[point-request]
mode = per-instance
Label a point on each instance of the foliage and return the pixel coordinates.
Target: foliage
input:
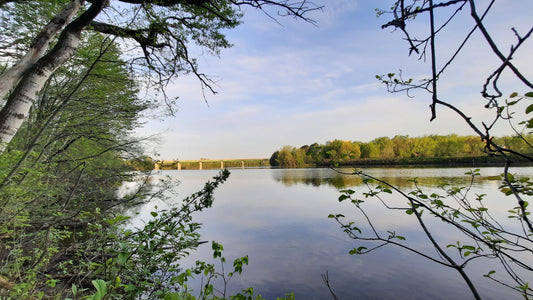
(399, 147)
(145, 263)
(61, 172)
(143, 163)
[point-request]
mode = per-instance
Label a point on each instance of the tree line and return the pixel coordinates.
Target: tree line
(385, 148)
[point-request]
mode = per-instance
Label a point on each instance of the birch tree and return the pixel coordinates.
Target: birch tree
(161, 32)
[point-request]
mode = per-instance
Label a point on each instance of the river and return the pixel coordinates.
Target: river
(278, 217)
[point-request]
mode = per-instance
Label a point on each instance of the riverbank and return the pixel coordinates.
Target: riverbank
(474, 161)
(471, 161)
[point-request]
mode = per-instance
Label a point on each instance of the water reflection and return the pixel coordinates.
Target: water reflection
(402, 178)
(316, 177)
(279, 218)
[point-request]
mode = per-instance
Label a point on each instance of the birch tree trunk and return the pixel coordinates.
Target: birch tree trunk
(12, 76)
(26, 91)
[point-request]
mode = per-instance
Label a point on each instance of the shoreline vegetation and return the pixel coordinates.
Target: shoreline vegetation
(434, 150)
(430, 150)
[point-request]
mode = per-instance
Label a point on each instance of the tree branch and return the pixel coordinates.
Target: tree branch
(494, 47)
(145, 37)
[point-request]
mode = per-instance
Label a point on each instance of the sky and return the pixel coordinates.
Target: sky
(289, 82)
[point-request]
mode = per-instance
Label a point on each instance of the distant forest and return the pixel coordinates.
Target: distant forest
(387, 149)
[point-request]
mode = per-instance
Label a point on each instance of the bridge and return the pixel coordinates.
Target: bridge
(205, 164)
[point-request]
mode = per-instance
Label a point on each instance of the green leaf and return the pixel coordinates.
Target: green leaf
(130, 288)
(153, 213)
(524, 287)
(357, 250)
(529, 109)
(343, 197)
(123, 257)
(409, 211)
(347, 191)
(101, 288)
(490, 273)
(513, 95)
(506, 191)
(529, 94)
(173, 296)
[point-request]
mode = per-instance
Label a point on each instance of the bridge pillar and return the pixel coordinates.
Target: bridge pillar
(179, 166)
(200, 163)
(242, 164)
(221, 165)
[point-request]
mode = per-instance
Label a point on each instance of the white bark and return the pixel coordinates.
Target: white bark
(33, 80)
(40, 45)
(22, 98)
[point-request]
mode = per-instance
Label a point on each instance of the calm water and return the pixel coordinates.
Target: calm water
(278, 217)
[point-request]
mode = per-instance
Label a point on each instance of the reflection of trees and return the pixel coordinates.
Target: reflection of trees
(337, 181)
(341, 181)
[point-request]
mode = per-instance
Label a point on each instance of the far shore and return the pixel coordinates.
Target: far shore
(209, 164)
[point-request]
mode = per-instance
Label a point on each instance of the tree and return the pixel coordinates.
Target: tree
(402, 146)
(285, 158)
(369, 150)
(424, 146)
(482, 237)
(161, 30)
(385, 146)
(64, 166)
(345, 150)
(299, 156)
(315, 152)
(274, 159)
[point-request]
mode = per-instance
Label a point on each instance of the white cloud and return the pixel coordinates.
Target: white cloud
(257, 131)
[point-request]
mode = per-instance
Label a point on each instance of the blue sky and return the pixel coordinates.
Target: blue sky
(296, 84)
